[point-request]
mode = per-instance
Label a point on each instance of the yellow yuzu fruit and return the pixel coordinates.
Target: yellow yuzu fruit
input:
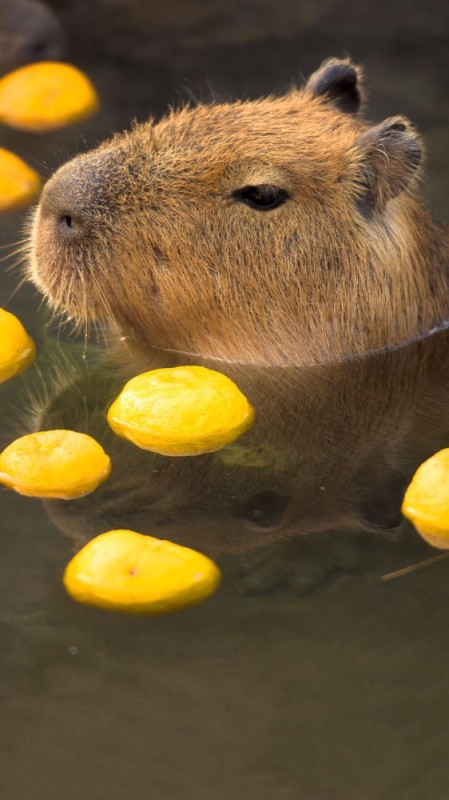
(426, 501)
(17, 349)
(181, 411)
(122, 570)
(19, 184)
(57, 464)
(45, 96)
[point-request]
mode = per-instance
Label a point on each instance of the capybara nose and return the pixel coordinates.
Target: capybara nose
(78, 198)
(65, 207)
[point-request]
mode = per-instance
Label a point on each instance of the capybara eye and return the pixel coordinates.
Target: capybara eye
(262, 198)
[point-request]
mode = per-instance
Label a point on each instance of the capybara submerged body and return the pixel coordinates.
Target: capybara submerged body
(280, 241)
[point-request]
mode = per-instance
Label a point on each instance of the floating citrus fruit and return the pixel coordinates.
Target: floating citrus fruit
(181, 411)
(126, 571)
(17, 349)
(59, 464)
(45, 96)
(426, 501)
(19, 184)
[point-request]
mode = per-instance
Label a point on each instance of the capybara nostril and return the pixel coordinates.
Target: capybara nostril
(63, 216)
(65, 207)
(70, 225)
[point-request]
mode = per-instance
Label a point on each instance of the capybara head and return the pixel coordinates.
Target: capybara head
(278, 231)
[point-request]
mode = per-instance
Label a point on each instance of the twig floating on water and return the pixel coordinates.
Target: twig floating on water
(414, 567)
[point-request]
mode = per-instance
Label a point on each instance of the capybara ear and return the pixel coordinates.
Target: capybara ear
(390, 154)
(339, 82)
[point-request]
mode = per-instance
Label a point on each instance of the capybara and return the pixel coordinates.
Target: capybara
(281, 241)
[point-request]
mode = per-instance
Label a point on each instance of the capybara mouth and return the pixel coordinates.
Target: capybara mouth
(61, 274)
(70, 244)
(79, 274)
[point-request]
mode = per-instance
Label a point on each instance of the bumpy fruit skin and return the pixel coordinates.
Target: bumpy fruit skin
(46, 96)
(181, 411)
(19, 184)
(426, 501)
(126, 571)
(17, 349)
(56, 464)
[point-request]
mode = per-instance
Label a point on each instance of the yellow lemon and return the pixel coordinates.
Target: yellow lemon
(58, 464)
(17, 349)
(126, 571)
(45, 96)
(426, 501)
(181, 411)
(19, 184)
